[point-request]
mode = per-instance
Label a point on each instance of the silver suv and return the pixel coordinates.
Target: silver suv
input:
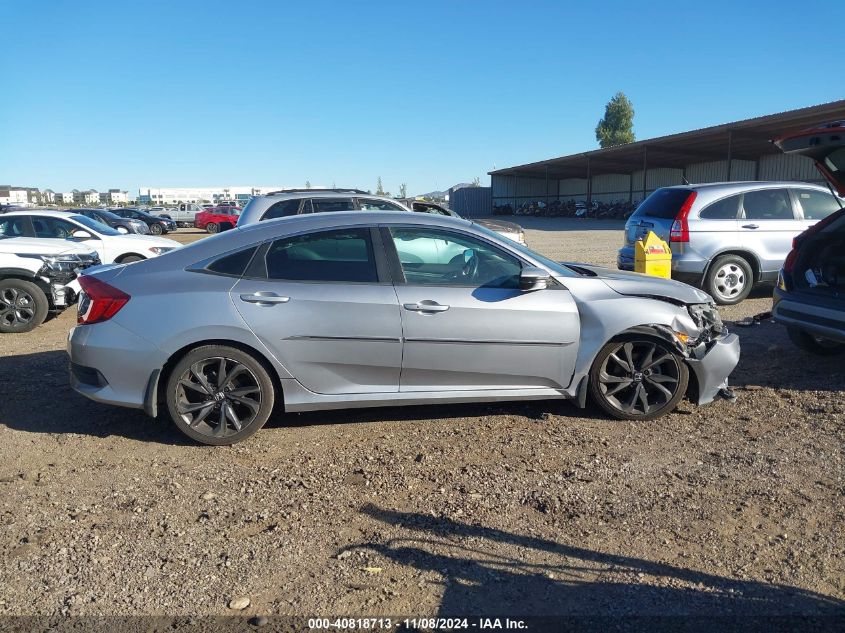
(281, 204)
(727, 236)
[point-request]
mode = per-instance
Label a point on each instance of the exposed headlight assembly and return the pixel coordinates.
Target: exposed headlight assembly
(160, 250)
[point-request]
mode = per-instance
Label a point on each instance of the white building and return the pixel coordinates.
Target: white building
(65, 198)
(13, 195)
(114, 197)
(89, 196)
(164, 196)
(48, 196)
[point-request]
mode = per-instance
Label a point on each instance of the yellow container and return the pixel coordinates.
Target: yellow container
(653, 256)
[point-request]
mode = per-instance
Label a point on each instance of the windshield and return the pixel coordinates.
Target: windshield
(555, 267)
(95, 226)
(109, 215)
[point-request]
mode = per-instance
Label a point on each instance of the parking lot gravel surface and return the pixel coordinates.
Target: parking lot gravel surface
(539, 508)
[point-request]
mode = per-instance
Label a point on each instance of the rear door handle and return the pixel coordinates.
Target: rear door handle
(751, 226)
(266, 298)
(425, 306)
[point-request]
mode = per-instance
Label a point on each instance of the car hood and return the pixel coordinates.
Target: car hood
(500, 226)
(639, 285)
(36, 246)
(151, 240)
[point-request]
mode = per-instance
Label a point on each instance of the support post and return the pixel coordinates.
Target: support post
(645, 168)
(547, 186)
(589, 184)
(730, 143)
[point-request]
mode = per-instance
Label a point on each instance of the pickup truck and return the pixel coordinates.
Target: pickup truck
(183, 214)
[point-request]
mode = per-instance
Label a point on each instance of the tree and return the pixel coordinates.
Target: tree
(617, 125)
(403, 190)
(379, 187)
(476, 182)
(307, 184)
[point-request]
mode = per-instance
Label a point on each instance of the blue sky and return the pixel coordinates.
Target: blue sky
(205, 93)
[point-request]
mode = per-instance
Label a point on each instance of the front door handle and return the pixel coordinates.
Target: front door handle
(425, 306)
(265, 298)
(751, 226)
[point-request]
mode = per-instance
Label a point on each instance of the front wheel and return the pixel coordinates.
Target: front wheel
(212, 227)
(814, 344)
(638, 378)
(23, 306)
(156, 229)
(219, 395)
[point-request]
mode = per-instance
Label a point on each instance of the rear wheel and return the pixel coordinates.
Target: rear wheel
(156, 229)
(638, 378)
(131, 258)
(212, 227)
(814, 344)
(23, 306)
(219, 395)
(729, 279)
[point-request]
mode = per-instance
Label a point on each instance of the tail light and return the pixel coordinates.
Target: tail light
(680, 227)
(100, 301)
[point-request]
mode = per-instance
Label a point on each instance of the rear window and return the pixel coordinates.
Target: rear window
(663, 203)
(817, 205)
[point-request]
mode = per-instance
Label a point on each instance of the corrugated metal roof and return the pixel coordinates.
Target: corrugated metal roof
(748, 140)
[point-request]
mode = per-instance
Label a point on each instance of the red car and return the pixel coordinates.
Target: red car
(217, 218)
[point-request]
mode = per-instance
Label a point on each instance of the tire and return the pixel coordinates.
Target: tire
(729, 279)
(814, 344)
(204, 412)
(23, 306)
(617, 386)
(131, 258)
(156, 229)
(212, 227)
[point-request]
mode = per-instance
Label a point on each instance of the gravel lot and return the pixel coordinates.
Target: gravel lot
(735, 508)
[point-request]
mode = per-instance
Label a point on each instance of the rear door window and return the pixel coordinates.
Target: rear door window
(768, 204)
(328, 205)
(816, 205)
(16, 226)
(664, 203)
(340, 255)
(724, 209)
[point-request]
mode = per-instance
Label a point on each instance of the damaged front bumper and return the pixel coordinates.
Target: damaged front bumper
(712, 363)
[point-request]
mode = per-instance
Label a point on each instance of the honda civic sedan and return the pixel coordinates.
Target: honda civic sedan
(339, 310)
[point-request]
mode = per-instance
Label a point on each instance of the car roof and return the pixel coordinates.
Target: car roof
(741, 185)
(45, 212)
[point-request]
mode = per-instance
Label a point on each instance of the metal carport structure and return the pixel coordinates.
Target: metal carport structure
(740, 150)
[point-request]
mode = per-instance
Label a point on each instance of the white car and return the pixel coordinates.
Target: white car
(34, 274)
(113, 247)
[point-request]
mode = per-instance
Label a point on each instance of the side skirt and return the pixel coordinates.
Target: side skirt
(298, 398)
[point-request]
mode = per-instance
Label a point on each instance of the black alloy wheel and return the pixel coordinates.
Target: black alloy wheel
(638, 378)
(219, 395)
(23, 306)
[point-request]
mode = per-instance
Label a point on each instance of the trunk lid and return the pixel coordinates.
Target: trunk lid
(825, 144)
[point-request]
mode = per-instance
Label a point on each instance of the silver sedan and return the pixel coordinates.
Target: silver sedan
(361, 309)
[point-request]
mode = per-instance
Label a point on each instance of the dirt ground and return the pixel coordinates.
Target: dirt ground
(507, 509)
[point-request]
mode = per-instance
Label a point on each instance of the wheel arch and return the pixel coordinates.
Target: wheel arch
(155, 390)
(662, 333)
(750, 257)
(123, 256)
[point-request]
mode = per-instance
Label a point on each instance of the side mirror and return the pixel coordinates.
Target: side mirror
(79, 234)
(532, 278)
